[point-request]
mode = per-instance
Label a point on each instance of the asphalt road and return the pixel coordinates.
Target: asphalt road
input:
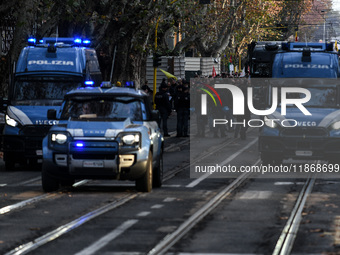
(185, 216)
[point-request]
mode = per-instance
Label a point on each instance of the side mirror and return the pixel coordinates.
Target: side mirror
(155, 115)
(51, 114)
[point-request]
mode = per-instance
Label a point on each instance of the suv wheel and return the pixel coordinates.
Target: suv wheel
(9, 162)
(158, 172)
(144, 184)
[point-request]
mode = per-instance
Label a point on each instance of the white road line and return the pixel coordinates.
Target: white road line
(102, 242)
(3, 184)
(169, 199)
(143, 214)
(255, 194)
(203, 177)
(40, 241)
(157, 206)
(28, 181)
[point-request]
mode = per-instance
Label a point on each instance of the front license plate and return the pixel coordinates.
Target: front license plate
(93, 164)
(304, 153)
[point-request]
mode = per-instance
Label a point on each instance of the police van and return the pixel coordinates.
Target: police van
(304, 91)
(44, 73)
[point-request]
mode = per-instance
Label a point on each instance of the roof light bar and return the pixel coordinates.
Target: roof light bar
(31, 41)
(77, 41)
(86, 41)
(89, 83)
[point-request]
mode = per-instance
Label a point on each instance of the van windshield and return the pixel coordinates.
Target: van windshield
(321, 97)
(43, 90)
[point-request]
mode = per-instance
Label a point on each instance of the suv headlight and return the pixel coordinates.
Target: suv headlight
(270, 122)
(11, 122)
(130, 139)
(59, 138)
(336, 125)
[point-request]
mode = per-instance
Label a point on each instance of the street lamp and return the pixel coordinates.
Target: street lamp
(324, 25)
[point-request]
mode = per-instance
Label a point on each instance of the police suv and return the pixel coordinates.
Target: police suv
(103, 133)
(44, 73)
(305, 96)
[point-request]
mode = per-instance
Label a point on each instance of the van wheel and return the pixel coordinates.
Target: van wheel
(9, 165)
(270, 160)
(144, 184)
(158, 173)
(9, 162)
(49, 183)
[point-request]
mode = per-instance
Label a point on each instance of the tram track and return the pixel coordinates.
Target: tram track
(50, 236)
(171, 239)
(167, 176)
(287, 237)
(286, 241)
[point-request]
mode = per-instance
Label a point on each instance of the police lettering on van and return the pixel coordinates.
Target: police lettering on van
(48, 62)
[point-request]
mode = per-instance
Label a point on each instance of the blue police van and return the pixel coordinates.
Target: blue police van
(44, 73)
(304, 72)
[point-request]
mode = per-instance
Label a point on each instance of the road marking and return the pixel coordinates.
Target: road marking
(40, 241)
(256, 194)
(169, 199)
(289, 183)
(96, 246)
(193, 253)
(171, 185)
(223, 163)
(3, 184)
(28, 181)
(143, 214)
(156, 206)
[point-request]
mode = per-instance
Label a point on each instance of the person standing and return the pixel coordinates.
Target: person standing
(163, 106)
(182, 106)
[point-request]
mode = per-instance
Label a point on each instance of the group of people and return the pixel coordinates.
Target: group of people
(173, 95)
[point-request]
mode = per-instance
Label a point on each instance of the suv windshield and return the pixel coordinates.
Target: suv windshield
(117, 108)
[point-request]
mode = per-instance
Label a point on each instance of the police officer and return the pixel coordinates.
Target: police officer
(182, 106)
(163, 106)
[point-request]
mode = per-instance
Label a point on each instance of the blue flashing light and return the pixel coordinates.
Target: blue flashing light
(41, 41)
(86, 42)
(89, 83)
(77, 41)
(80, 145)
(129, 84)
(31, 41)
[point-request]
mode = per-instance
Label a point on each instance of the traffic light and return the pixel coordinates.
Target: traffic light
(156, 60)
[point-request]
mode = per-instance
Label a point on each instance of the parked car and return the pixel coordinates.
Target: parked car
(103, 133)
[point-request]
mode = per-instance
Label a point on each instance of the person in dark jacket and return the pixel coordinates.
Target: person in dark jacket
(163, 106)
(182, 106)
